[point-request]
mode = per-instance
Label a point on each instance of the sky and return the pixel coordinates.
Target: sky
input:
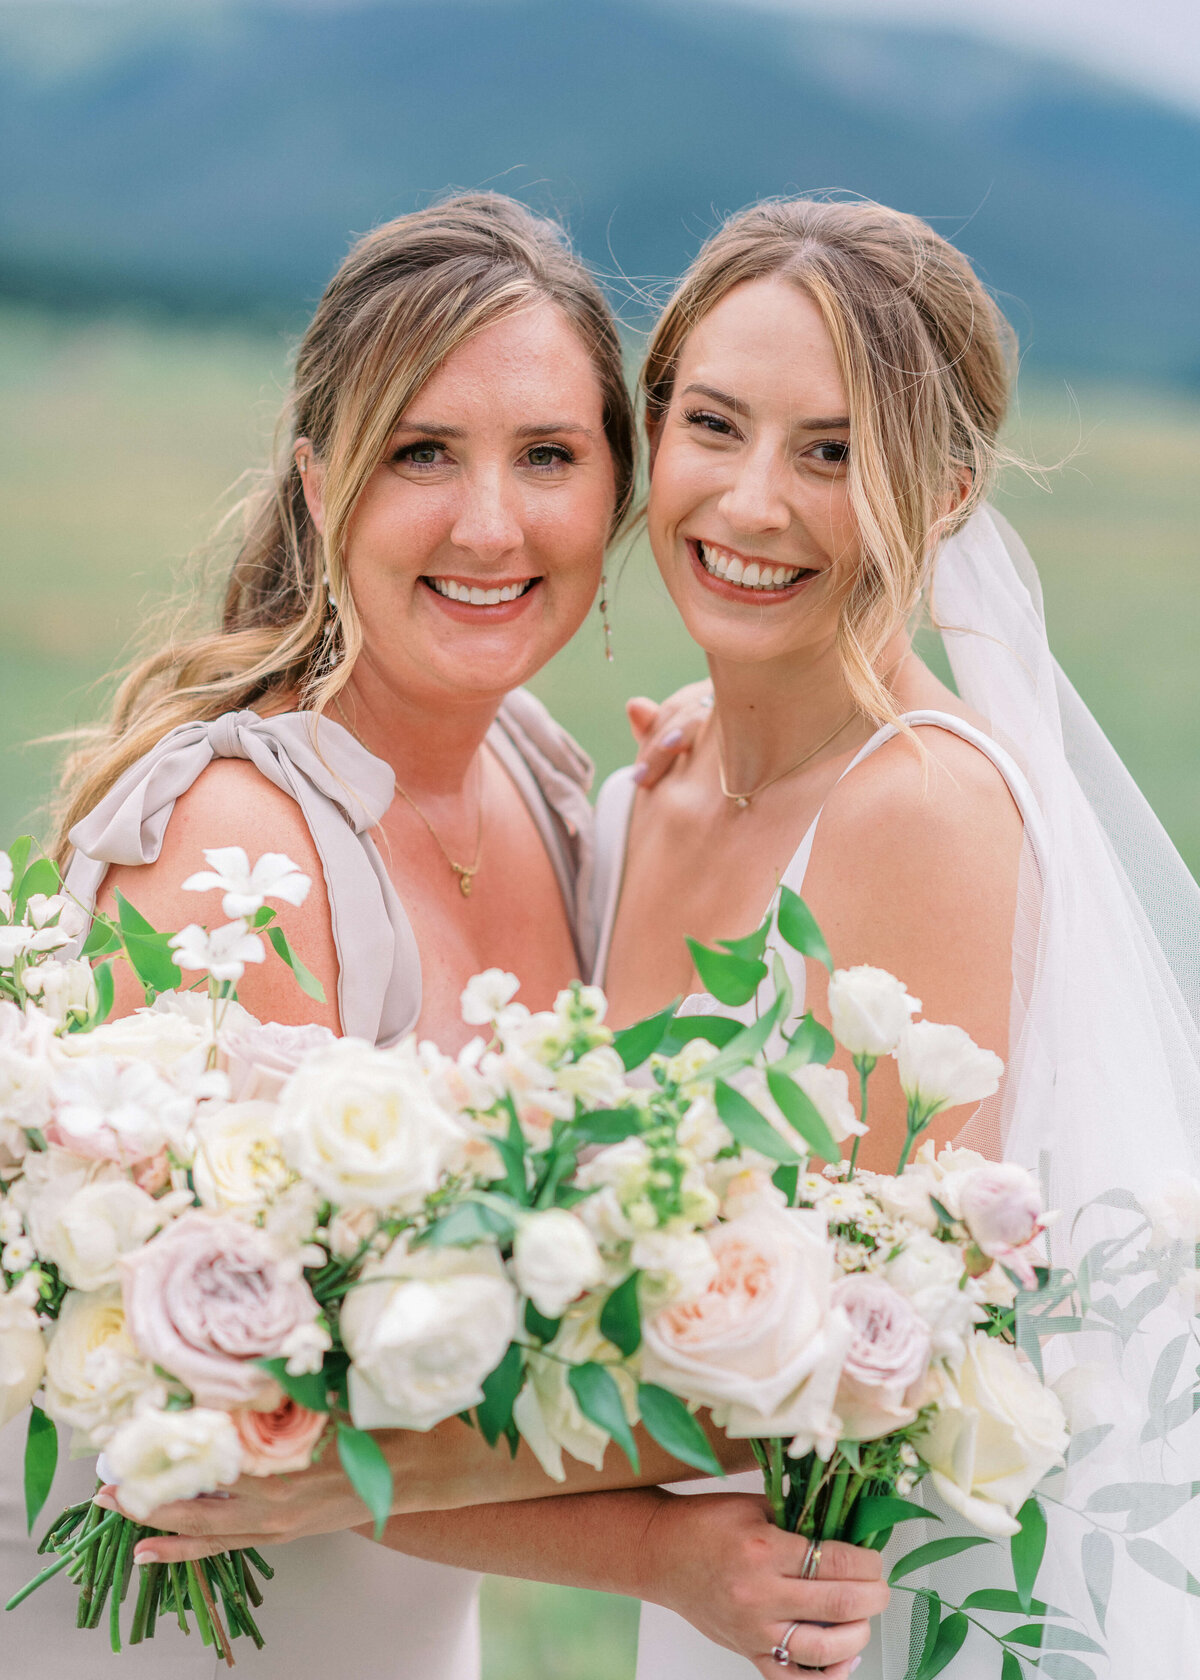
(1153, 43)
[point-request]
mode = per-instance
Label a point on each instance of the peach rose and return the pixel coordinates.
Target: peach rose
(275, 1442)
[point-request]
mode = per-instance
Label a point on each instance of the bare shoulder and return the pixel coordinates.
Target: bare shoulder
(232, 804)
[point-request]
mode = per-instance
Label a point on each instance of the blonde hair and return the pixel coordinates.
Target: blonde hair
(407, 296)
(927, 360)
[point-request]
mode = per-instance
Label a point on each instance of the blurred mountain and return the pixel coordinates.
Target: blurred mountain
(215, 156)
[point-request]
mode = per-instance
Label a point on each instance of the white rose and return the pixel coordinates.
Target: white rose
(167, 1041)
(1174, 1212)
(942, 1066)
(157, 1457)
(547, 1413)
(869, 1009)
(597, 1079)
(763, 1343)
(555, 1259)
(22, 1354)
(239, 1164)
(929, 1275)
(423, 1330)
(95, 1377)
(63, 988)
(487, 995)
(993, 1437)
(86, 1230)
(363, 1126)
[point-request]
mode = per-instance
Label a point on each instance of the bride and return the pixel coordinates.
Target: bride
(823, 398)
(460, 448)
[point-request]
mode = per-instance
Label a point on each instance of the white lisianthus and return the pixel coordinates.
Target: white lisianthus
(764, 1343)
(157, 1457)
(224, 952)
(18, 940)
(63, 988)
(239, 1165)
(828, 1089)
(246, 890)
(597, 1079)
(1174, 1212)
(95, 1377)
(546, 1410)
(423, 1329)
(22, 1351)
(86, 1230)
(363, 1126)
(929, 1274)
(869, 1009)
(942, 1067)
(196, 1008)
(993, 1437)
(486, 996)
(555, 1259)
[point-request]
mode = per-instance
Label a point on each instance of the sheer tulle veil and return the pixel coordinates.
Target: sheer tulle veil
(1102, 1095)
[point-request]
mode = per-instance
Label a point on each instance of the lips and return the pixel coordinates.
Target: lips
(740, 573)
(479, 595)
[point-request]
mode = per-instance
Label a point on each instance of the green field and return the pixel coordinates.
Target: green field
(118, 445)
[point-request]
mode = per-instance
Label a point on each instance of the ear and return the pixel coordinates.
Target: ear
(312, 479)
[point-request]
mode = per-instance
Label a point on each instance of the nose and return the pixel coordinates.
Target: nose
(487, 522)
(756, 499)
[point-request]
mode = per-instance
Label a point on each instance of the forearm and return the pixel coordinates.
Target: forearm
(594, 1540)
(453, 1466)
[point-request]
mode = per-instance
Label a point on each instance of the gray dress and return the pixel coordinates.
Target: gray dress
(339, 1605)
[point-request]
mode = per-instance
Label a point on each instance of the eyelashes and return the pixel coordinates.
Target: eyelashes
(553, 455)
(829, 452)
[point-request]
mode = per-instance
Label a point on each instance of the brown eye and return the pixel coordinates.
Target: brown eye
(832, 453)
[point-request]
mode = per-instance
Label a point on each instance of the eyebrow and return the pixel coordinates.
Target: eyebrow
(432, 429)
(821, 423)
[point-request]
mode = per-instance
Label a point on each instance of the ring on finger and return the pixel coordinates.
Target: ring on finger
(783, 1656)
(812, 1563)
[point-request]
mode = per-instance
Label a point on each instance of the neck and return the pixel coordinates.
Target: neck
(769, 713)
(430, 743)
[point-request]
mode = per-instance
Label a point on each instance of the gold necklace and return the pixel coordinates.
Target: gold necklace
(741, 800)
(465, 872)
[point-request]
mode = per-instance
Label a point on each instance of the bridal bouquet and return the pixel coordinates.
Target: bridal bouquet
(228, 1247)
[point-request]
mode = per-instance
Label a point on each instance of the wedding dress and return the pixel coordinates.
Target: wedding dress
(1102, 1093)
(339, 1604)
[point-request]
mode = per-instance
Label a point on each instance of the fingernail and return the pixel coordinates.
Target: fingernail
(105, 1500)
(857, 1663)
(639, 773)
(673, 738)
(147, 1554)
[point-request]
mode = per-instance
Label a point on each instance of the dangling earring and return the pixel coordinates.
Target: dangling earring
(333, 654)
(608, 652)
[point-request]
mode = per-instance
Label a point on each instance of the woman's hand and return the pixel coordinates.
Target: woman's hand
(717, 1560)
(664, 732)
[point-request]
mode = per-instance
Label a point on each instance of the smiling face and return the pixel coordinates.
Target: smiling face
(749, 512)
(475, 548)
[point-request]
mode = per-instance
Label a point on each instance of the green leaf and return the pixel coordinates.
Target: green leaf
(1096, 1556)
(787, 1179)
(305, 978)
(636, 1044)
(368, 1472)
(500, 1390)
(934, 1551)
(621, 1316)
(102, 940)
(749, 1127)
(670, 1423)
(1047, 1637)
(1006, 1603)
(131, 919)
(949, 1642)
(717, 1029)
(307, 1389)
(599, 1399)
(752, 946)
(1156, 1560)
(731, 980)
(102, 977)
(798, 926)
(19, 855)
(605, 1125)
(41, 877)
(537, 1324)
(811, 1042)
(800, 1111)
(41, 1461)
(742, 1050)
(470, 1223)
(1010, 1667)
(923, 1633)
(1027, 1548)
(879, 1510)
(152, 962)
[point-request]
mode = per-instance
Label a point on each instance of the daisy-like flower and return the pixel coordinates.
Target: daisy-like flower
(246, 890)
(224, 952)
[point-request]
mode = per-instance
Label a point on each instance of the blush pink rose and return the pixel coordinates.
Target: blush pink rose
(885, 1370)
(208, 1297)
(260, 1056)
(274, 1443)
(1001, 1206)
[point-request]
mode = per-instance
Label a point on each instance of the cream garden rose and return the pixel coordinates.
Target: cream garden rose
(95, 1377)
(239, 1165)
(22, 1351)
(546, 1410)
(86, 1224)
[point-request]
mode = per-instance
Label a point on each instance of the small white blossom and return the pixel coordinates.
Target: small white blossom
(486, 996)
(305, 1348)
(247, 889)
(18, 1255)
(224, 952)
(64, 988)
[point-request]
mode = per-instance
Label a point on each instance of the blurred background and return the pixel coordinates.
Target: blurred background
(180, 178)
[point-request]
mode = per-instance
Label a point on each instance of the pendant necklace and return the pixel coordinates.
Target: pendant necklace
(742, 800)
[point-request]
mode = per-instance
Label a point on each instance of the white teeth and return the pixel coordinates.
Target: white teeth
(477, 597)
(750, 574)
